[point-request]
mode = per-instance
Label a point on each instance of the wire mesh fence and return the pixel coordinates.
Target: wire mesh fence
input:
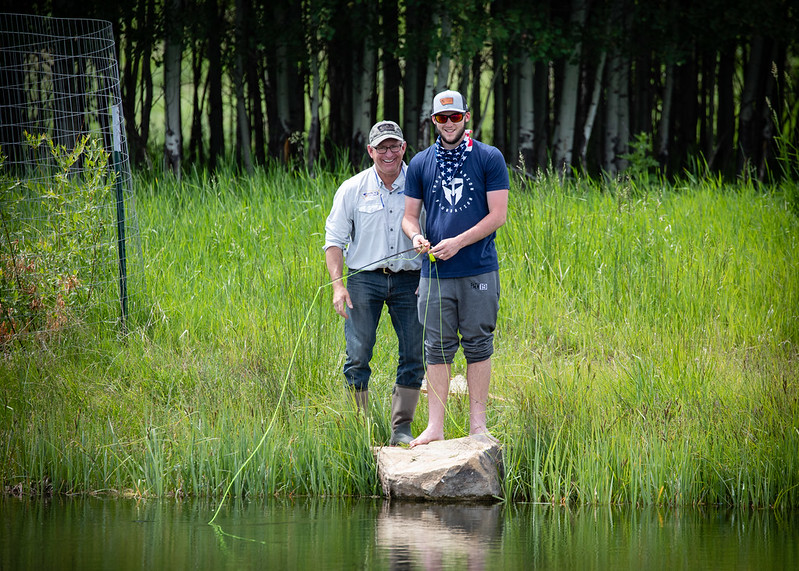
(67, 216)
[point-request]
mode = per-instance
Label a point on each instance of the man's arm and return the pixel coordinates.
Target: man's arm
(334, 259)
(410, 224)
(497, 214)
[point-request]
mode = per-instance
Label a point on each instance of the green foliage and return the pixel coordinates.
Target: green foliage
(641, 164)
(646, 353)
(53, 222)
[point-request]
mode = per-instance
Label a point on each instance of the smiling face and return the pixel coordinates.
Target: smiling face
(452, 133)
(389, 162)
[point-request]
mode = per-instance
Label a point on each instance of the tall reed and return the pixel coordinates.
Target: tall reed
(646, 353)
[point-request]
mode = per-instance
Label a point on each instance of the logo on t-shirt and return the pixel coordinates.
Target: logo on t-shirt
(453, 191)
(454, 199)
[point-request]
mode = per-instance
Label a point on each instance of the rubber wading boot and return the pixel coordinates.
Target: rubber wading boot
(362, 401)
(403, 405)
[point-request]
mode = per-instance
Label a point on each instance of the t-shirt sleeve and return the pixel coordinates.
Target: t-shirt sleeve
(496, 172)
(413, 178)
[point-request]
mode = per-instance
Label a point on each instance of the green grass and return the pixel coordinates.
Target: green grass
(646, 353)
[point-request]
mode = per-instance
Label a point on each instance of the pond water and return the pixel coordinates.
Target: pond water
(113, 533)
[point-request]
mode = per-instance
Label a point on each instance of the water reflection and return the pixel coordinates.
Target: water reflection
(105, 533)
(432, 536)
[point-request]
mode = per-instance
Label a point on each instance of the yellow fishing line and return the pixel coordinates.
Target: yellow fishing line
(283, 389)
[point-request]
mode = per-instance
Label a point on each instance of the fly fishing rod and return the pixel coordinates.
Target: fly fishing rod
(383, 259)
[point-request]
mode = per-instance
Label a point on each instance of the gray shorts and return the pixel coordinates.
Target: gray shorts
(459, 311)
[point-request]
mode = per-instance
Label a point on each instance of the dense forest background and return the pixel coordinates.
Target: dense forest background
(594, 85)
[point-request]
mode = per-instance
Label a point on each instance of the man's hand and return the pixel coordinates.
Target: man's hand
(341, 301)
(420, 243)
(446, 248)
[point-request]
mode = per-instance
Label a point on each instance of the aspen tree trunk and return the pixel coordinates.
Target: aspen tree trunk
(244, 146)
(747, 121)
(623, 110)
(500, 116)
(526, 116)
(196, 145)
(465, 84)
(513, 128)
(416, 19)
(664, 128)
(412, 107)
(424, 123)
(475, 97)
(282, 93)
(364, 73)
(216, 148)
(596, 92)
(541, 96)
(567, 110)
(147, 78)
(725, 121)
(173, 55)
(767, 128)
(314, 132)
(392, 73)
(442, 75)
(256, 110)
(611, 117)
(477, 125)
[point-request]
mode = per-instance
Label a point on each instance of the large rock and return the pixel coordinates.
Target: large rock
(460, 469)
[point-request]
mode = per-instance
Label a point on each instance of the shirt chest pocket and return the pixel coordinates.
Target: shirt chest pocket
(369, 208)
(370, 202)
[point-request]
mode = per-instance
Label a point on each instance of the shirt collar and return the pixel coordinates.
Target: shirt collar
(398, 182)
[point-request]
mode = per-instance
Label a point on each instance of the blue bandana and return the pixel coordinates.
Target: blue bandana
(450, 161)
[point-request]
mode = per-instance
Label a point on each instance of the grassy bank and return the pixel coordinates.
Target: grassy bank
(647, 352)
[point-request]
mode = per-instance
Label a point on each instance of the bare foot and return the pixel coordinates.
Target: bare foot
(427, 437)
(484, 432)
(479, 430)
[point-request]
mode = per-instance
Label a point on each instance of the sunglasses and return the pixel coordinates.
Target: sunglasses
(442, 119)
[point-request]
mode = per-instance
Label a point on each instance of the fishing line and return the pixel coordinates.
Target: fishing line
(286, 378)
(367, 266)
(447, 410)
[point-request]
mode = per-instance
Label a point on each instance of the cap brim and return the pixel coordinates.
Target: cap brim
(382, 138)
(449, 109)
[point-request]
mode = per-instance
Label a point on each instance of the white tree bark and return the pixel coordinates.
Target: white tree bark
(314, 133)
(173, 55)
(588, 128)
(442, 76)
(362, 93)
(514, 109)
(567, 110)
(423, 131)
(526, 116)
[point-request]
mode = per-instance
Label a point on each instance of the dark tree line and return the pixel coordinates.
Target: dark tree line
(572, 84)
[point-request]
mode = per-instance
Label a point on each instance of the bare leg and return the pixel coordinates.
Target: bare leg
(437, 389)
(478, 377)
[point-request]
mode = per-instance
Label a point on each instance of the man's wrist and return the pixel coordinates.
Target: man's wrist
(415, 235)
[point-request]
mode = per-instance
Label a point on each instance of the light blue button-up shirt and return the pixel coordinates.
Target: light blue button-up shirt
(366, 223)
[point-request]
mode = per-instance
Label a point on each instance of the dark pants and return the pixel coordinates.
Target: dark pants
(368, 292)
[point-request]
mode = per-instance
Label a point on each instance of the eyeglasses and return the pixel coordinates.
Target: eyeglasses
(392, 148)
(442, 119)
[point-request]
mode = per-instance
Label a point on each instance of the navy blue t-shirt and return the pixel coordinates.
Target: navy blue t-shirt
(456, 207)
